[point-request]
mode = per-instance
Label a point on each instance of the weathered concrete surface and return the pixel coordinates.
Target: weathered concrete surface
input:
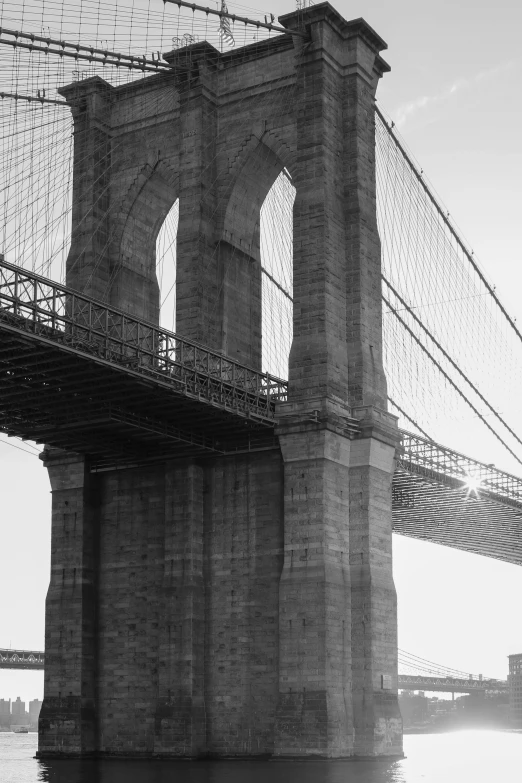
(239, 605)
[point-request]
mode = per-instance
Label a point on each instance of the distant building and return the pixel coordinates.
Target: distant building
(34, 711)
(5, 712)
(515, 689)
(18, 714)
(414, 708)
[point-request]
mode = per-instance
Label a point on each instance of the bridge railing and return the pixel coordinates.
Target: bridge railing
(429, 458)
(60, 314)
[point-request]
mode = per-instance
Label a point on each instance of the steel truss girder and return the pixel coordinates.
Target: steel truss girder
(21, 659)
(82, 376)
(33, 303)
(433, 501)
(449, 684)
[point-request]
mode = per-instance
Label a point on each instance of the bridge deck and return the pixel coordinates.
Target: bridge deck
(422, 682)
(22, 659)
(432, 501)
(80, 375)
(35, 659)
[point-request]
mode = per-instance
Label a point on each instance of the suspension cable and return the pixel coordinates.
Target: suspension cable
(451, 381)
(450, 360)
(447, 222)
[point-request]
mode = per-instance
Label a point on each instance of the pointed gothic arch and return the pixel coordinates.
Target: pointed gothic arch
(134, 284)
(240, 253)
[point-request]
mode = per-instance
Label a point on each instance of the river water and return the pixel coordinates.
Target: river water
(457, 757)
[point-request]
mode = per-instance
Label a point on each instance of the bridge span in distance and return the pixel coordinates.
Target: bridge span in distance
(35, 660)
(21, 659)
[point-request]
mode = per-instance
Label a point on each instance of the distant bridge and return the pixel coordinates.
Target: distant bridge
(21, 659)
(35, 659)
(411, 682)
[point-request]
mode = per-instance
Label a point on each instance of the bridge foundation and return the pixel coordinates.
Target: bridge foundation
(236, 604)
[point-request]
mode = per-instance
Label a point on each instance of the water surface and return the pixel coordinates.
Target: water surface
(458, 757)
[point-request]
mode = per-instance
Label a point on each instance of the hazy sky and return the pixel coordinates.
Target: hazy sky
(454, 94)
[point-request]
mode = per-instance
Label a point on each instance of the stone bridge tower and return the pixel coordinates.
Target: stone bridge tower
(236, 605)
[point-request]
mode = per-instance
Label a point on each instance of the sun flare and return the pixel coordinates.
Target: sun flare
(472, 484)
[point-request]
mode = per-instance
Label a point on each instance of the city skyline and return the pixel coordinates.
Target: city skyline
(15, 712)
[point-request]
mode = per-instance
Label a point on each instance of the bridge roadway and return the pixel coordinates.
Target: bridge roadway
(80, 375)
(413, 682)
(433, 501)
(21, 659)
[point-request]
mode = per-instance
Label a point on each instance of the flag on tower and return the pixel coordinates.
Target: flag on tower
(224, 26)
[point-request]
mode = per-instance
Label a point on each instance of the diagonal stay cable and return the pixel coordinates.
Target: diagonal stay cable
(447, 222)
(412, 421)
(277, 285)
(451, 381)
(450, 360)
